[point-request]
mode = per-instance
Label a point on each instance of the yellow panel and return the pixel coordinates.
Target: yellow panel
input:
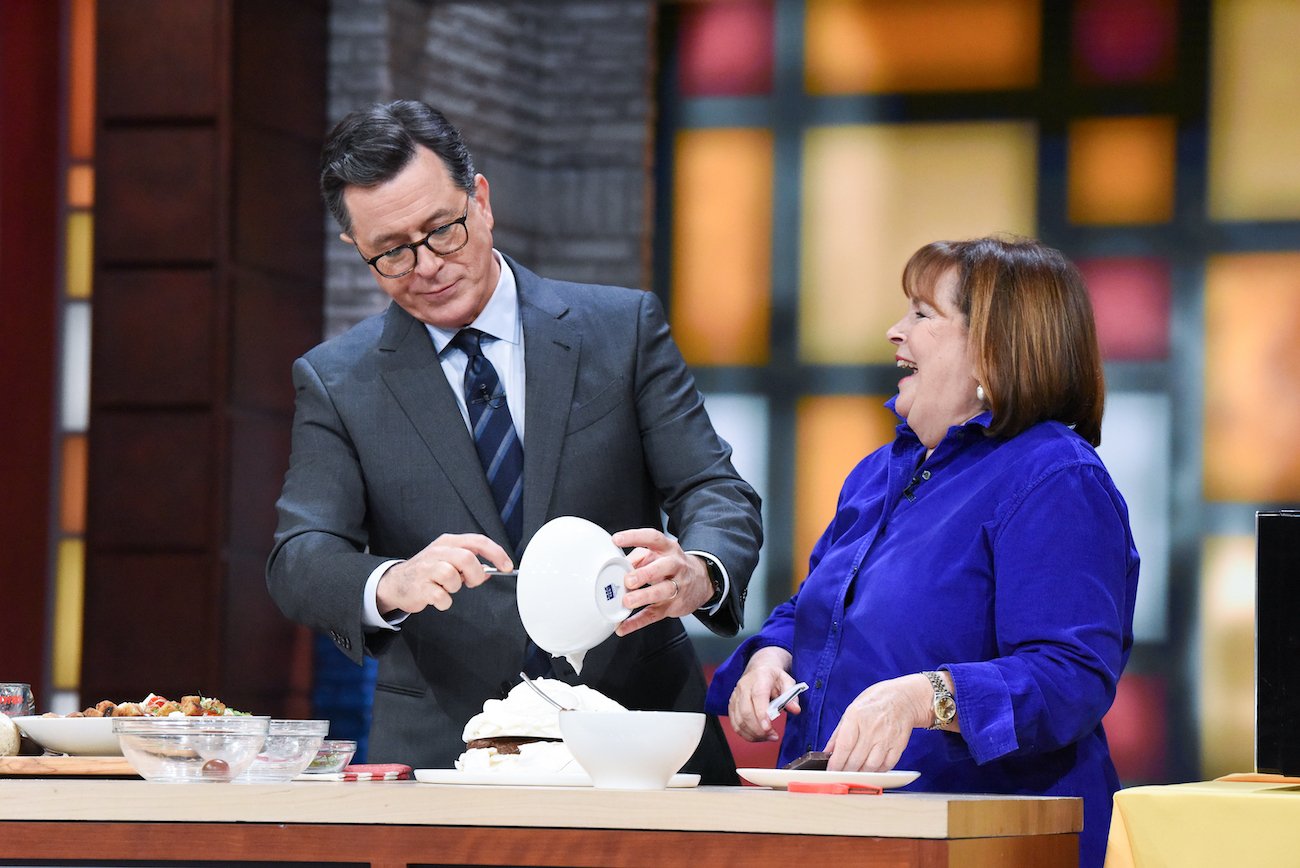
(72, 482)
(1254, 111)
(834, 433)
(80, 243)
(1252, 365)
(81, 186)
(81, 84)
(1227, 655)
(883, 46)
(69, 590)
(722, 245)
(1122, 170)
(873, 195)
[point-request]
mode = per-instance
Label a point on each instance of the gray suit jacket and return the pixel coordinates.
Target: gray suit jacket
(382, 463)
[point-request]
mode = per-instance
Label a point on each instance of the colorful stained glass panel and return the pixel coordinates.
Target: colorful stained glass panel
(1121, 170)
(1254, 111)
(1124, 41)
(1135, 444)
(887, 46)
(725, 49)
(1131, 302)
(722, 246)
(834, 433)
(1252, 372)
(1226, 675)
(873, 195)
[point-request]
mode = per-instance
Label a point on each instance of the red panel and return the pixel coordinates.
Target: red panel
(1124, 41)
(1136, 728)
(29, 215)
(1131, 298)
(725, 49)
(160, 58)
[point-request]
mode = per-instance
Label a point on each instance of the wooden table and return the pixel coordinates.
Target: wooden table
(404, 823)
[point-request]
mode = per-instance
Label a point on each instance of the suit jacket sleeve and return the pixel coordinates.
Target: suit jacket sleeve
(709, 507)
(319, 564)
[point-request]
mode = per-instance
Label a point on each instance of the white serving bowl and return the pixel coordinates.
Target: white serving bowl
(290, 747)
(570, 587)
(75, 736)
(191, 749)
(631, 750)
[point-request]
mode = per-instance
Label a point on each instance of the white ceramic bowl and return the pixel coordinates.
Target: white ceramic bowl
(75, 736)
(191, 749)
(570, 588)
(631, 750)
(290, 747)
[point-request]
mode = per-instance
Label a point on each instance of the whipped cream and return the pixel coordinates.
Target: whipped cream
(525, 714)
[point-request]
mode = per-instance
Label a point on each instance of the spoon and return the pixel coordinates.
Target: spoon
(542, 693)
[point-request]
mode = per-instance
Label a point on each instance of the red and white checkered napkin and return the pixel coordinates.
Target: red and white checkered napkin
(377, 772)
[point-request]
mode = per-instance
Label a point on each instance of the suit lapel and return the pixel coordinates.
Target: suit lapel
(551, 352)
(413, 374)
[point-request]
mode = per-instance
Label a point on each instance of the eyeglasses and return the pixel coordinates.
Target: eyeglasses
(443, 241)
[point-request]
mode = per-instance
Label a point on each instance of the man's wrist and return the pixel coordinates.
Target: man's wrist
(717, 581)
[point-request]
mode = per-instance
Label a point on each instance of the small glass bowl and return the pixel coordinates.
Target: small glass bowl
(332, 757)
(290, 746)
(191, 749)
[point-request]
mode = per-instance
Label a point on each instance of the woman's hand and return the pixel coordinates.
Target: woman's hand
(766, 676)
(876, 726)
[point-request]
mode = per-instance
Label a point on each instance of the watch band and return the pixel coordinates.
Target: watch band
(945, 706)
(715, 579)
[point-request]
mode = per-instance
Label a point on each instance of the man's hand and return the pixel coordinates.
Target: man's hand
(665, 580)
(439, 570)
(765, 677)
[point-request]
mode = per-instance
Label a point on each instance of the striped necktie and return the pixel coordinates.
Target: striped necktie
(499, 449)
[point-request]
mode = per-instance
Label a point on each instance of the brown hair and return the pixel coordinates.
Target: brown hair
(1032, 335)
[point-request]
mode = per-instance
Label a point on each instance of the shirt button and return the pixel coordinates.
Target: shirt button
(818, 685)
(925, 474)
(835, 625)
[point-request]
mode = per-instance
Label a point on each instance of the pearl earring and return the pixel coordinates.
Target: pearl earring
(979, 393)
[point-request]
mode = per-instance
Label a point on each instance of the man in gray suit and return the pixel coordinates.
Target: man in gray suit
(440, 434)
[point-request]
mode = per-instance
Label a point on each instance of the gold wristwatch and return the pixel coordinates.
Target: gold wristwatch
(945, 707)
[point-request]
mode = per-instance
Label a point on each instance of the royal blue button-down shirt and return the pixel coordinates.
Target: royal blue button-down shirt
(1007, 561)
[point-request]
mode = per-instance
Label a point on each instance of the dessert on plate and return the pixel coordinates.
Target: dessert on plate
(521, 733)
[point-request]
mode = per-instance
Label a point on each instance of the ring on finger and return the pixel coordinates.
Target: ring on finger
(676, 589)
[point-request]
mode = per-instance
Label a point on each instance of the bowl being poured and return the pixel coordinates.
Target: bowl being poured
(570, 587)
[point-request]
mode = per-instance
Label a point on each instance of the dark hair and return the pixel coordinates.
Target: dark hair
(372, 145)
(1033, 340)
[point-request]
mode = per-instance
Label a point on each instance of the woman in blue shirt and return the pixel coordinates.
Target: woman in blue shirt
(969, 610)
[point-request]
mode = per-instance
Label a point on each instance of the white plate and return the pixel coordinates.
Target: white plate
(525, 779)
(75, 736)
(778, 779)
(570, 587)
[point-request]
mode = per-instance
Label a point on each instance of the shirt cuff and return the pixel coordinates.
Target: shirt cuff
(370, 616)
(726, 581)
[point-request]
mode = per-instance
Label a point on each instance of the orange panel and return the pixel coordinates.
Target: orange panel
(81, 85)
(884, 46)
(1122, 170)
(722, 246)
(72, 481)
(1252, 366)
(834, 433)
(81, 186)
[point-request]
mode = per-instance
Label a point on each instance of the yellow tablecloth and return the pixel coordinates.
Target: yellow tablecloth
(1238, 820)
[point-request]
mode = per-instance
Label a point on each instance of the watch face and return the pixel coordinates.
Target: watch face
(945, 709)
